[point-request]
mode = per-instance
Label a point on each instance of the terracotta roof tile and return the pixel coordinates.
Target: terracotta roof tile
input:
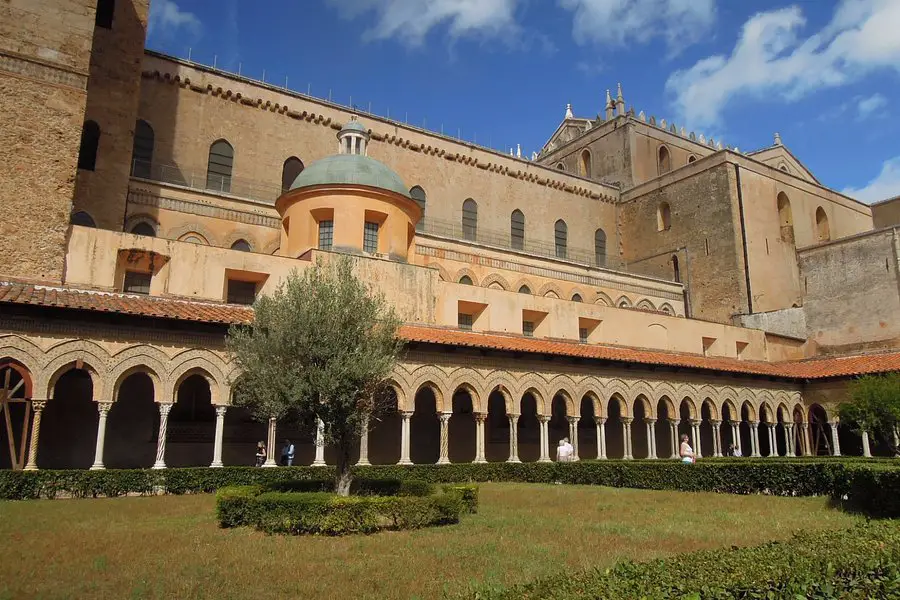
(208, 312)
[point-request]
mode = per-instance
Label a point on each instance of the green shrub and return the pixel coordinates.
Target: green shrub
(234, 504)
(468, 494)
(863, 562)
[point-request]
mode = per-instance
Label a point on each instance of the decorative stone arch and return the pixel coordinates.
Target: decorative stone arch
(503, 383)
(751, 410)
(98, 377)
(272, 247)
(442, 272)
(645, 304)
(577, 292)
(713, 408)
(798, 410)
(732, 408)
(603, 300)
(624, 302)
(644, 399)
(708, 391)
(427, 379)
(138, 359)
(619, 388)
(479, 403)
(767, 406)
(399, 390)
(642, 389)
(527, 283)
(565, 387)
(495, 280)
(693, 411)
(202, 362)
(549, 288)
(782, 410)
(467, 376)
(666, 308)
(181, 232)
(242, 234)
(466, 272)
(621, 399)
(540, 399)
(136, 219)
(65, 356)
(591, 392)
(24, 352)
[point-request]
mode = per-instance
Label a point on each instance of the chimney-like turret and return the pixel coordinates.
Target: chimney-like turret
(610, 107)
(620, 102)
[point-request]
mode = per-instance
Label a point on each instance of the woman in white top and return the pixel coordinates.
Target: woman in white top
(686, 452)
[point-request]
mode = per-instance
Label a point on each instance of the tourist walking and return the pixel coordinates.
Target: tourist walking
(686, 452)
(735, 451)
(563, 452)
(287, 454)
(260, 454)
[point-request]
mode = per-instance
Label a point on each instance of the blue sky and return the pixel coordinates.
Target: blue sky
(825, 74)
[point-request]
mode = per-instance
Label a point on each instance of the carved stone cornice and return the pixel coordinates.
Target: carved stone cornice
(44, 72)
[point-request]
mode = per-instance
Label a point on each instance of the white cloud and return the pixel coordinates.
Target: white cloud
(616, 22)
(772, 59)
(166, 18)
(411, 20)
(870, 106)
(885, 185)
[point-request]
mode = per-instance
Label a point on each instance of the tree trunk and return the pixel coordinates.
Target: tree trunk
(344, 474)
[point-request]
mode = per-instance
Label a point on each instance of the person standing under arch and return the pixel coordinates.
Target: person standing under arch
(686, 452)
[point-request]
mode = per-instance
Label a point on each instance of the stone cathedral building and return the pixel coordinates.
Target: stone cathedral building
(631, 282)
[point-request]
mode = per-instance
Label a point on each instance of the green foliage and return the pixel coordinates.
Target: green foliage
(874, 406)
(318, 512)
(863, 562)
(321, 346)
(468, 494)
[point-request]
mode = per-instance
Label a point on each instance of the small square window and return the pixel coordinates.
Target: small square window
(241, 292)
(370, 237)
(137, 282)
(326, 234)
(583, 335)
(465, 322)
(528, 328)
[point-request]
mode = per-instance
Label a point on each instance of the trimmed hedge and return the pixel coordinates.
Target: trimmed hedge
(862, 562)
(869, 486)
(327, 514)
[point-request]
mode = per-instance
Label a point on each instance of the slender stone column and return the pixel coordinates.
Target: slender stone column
(773, 446)
(600, 422)
(272, 440)
(626, 427)
(364, 443)
(164, 408)
(673, 427)
(804, 439)
(695, 433)
(404, 437)
(479, 438)
(38, 407)
(103, 409)
(788, 439)
(865, 439)
(754, 438)
(544, 424)
(220, 433)
(896, 440)
(573, 435)
(444, 458)
(513, 438)
(717, 438)
(736, 435)
(651, 437)
(835, 441)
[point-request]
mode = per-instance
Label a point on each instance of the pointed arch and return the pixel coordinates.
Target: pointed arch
(142, 150)
(290, 170)
(664, 160)
(600, 247)
(603, 300)
(470, 220)
(418, 194)
(823, 230)
(466, 272)
(646, 305)
(549, 288)
(517, 230)
(561, 238)
(495, 281)
(584, 164)
(623, 302)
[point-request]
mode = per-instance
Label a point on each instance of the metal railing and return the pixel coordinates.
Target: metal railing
(201, 179)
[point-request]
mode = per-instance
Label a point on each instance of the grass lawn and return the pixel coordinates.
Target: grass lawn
(171, 547)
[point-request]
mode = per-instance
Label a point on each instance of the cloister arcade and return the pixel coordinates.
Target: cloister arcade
(141, 407)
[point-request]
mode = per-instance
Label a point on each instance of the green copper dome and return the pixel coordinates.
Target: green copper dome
(351, 169)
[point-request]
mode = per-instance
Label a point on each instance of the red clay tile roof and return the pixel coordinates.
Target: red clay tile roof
(208, 312)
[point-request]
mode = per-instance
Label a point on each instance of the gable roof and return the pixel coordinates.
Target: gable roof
(781, 150)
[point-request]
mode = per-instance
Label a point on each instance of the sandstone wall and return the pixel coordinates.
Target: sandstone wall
(887, 213)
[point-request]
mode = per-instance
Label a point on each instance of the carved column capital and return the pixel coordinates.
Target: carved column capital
(543, 419)
(650, 421)
(406, 414)
(103, 408)
(164, 408)
(627, 420)
(220, 410)
(573, 419)
(600, 420)
(480, 417)
(445, 417)
(38, 405)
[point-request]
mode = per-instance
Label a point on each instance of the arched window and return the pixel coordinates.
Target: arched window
(665, 163)
(561, 238)
(82, 218)
(90, 143)
(144, 228)
(675, 269)
(560, 166)
(822, 229)
(663, 217)
(289, 171)
(418, 194)
(105, 11)
(785, 218)
(465, 280)
(585, 165)
(783, 167)
(470, 220)
(241, 245)
(218, 170)
(517, 229)
(691, 159)
(193, 238)
(524, 290)
(600, 248)
(142, 150)
(576, 297)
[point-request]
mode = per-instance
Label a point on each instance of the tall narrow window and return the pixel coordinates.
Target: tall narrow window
(528, 328)
(517, 230)
(464, 321)
(105, 11)
(326, 234)
(142, 150)
(370, 237)
(218, 171)
(785, 218)
(90, 144)
(137, 282)
(585, 163)
(242, 246)
(470, 220)
(822, 228)
(600, 248)
(665, 162)
(561, 238)
(583, 335)
(292, 167)
(676, 270)
(418, 194)
(663, 217)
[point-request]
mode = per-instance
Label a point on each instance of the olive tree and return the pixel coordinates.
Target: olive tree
(320, 347)
(874, 406)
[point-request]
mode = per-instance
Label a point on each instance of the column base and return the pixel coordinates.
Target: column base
(316, 463)
(97, 467)
(404, 462)
(159, 465)
(479, 461)
(31, 468)
(514, 460)
(443, 461)
(363, 463)
(269, 464)
(216, 465)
